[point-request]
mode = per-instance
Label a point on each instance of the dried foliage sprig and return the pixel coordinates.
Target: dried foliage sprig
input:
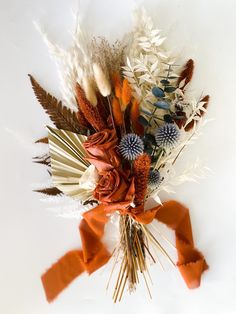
(63, 118)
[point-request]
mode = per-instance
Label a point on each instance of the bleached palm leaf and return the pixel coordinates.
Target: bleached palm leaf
(67, 161)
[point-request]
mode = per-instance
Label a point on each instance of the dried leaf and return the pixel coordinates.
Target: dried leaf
(61, 116)
(43, 140)
(68, 161)
(44, 160)
(49, 191)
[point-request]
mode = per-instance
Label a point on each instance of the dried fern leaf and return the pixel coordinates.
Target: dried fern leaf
(61, 116)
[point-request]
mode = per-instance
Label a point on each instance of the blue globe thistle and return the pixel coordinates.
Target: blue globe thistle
(131, 146)
(154, 178)
(167, 135)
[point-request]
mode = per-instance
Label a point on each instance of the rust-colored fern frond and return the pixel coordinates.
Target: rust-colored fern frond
(141, 173)
(186, 74)
(90, 112)
(61, 116)
(50, 191)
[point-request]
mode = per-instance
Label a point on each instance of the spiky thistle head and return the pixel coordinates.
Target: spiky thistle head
(131, 146)
(154, 178)
(167, 135)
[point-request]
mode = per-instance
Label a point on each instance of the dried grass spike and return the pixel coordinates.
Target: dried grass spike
(126, 94)
(186, 74)
(117, 114)
(90, 113)
(141, 174)
(102, 81)
(89, 90)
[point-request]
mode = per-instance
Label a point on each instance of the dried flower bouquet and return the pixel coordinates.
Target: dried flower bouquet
(125, 118)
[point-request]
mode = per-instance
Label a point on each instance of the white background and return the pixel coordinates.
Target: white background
(31, 237)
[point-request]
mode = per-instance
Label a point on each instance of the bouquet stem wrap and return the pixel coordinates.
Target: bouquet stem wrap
(93, 255)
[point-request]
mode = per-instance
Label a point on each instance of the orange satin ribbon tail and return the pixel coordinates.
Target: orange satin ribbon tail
(92, 256)
(191, 263)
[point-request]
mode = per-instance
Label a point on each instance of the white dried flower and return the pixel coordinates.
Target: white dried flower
(102, 81)
(89, 90)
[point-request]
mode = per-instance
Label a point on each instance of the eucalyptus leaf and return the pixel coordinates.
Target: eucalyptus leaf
(165, 82)
(162, 105)
(170, 89)
(143, 121)
(148, 113)
(158, 92)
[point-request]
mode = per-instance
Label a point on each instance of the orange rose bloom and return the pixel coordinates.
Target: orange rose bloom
(102, 147)
(112, 187)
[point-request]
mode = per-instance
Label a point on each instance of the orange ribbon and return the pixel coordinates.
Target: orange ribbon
(94, 254)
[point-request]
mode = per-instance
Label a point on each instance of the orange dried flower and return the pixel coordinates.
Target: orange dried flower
(117, 114)
(141, 173)
(126, 94)
(134, 115)
(90, 112)
(117, 84)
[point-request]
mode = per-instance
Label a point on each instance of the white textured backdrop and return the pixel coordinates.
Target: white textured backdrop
(31, 238)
